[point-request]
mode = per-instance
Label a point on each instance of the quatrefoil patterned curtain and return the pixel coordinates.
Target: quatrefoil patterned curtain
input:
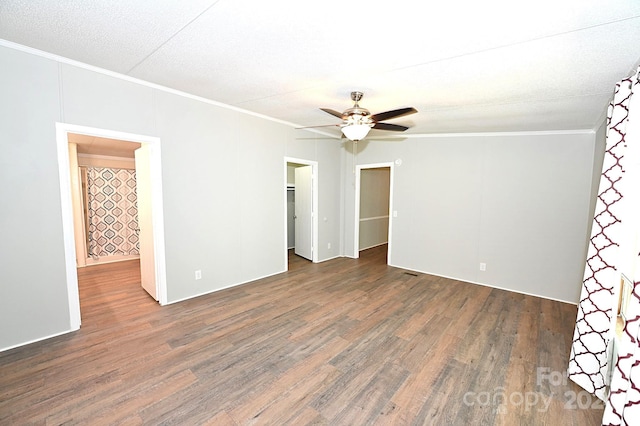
(623, 405)
(112, 212)
(590, 353)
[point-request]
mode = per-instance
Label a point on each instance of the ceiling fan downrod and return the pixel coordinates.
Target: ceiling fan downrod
(356, 96)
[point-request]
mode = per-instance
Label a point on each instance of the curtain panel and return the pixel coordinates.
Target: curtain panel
(112, 212)
(623, 405)
(614, 225)
(588, 364)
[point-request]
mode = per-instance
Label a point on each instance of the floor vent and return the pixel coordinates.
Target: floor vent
(411, 273)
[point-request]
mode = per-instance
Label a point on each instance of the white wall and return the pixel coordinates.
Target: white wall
(106, 161)
(519, 203)
(33, 293)
(222, 186)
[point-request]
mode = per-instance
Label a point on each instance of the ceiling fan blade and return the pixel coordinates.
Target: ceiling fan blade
(387, 115)
(322, 125)
(391, 127)
(332, 112)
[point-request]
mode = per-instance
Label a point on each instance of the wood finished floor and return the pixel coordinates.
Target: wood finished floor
(344, 342)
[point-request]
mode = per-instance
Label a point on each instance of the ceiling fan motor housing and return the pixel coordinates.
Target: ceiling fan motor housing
(356, 96)
(361, 114)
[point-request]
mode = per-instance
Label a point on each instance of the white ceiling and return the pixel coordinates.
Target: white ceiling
(467, 66)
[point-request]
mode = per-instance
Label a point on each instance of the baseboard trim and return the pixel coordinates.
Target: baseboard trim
(330, 258)
(221, 288)
(485, 285)
(39, 339)
(370, 247)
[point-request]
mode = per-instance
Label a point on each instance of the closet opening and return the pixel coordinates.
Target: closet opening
(301, 201)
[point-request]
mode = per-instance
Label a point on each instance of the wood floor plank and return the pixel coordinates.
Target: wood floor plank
(284, 403)
(416, 389)
(344, 342)
(368, 406)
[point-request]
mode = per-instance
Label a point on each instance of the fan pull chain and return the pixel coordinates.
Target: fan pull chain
(355, 155)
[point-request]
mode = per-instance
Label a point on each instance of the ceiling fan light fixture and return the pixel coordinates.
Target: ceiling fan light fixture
(356, 132)
(357, 121)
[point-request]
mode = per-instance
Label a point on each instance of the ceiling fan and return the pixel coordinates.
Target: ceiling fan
(357, 121)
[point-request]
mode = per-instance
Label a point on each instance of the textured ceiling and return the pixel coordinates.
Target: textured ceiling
(467, 66)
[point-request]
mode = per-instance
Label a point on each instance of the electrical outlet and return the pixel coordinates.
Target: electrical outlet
(198, 274)
(329, 246)
(483, 266)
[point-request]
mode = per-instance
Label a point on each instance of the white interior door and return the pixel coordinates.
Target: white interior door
(303, 212)
(145, 224)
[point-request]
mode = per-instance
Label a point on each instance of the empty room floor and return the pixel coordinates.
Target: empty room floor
(344, 342)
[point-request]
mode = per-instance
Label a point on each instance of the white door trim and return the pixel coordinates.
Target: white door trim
(314, 207)
(356, 221)
(62, 140)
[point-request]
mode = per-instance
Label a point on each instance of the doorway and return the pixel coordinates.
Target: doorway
(373, 207)
(104, 199)
(301, 201)
(154, 233)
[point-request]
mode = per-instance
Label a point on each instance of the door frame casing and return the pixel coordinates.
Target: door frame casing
(356, 226)
(62, 141)
(143, 157)
(314, 207)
